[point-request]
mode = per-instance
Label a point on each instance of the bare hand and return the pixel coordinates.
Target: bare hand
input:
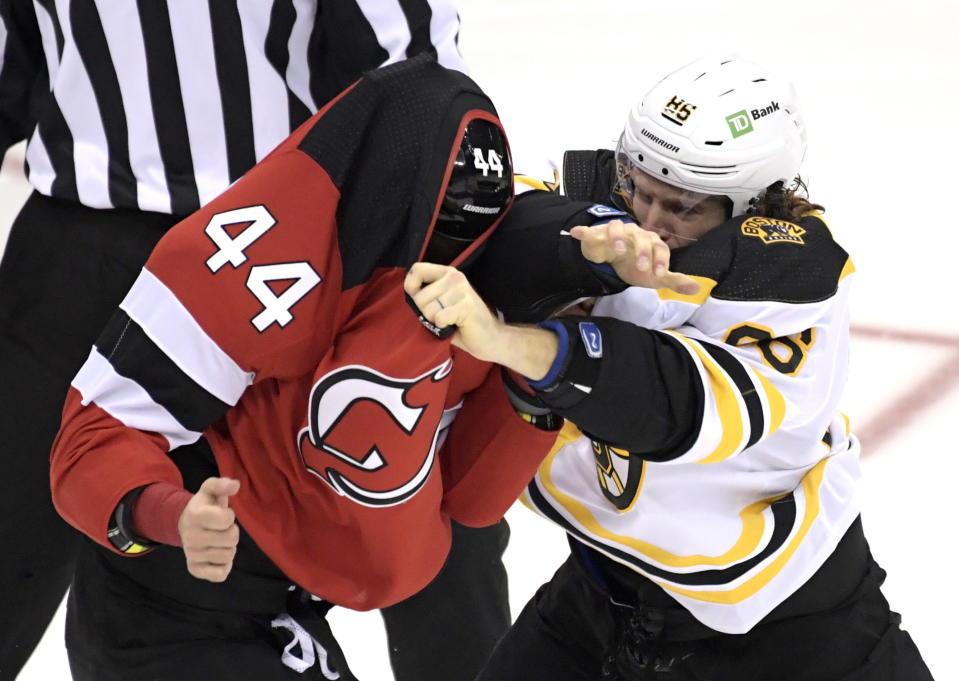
(446, 298)
(209, 531)
(639, 256)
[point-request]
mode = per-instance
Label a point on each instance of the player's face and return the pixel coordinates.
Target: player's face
(678, 216)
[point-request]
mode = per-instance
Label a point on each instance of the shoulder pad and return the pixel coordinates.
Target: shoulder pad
(589, 175)
(756, 258)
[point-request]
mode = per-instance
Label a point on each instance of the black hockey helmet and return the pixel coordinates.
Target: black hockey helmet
(480, 186)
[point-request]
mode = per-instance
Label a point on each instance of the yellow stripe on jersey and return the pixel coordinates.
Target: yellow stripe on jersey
(530, 182)
(753, 521)
(535, 183)
(810, 485)
(847, 269)
(706, 286)
(816, 214)
(727, 397)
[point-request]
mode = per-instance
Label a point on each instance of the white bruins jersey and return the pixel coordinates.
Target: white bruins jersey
(755, 502)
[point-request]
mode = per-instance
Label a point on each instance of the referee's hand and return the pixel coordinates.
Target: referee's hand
(209, 531)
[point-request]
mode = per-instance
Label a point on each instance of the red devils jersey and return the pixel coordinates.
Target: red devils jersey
(270, 324)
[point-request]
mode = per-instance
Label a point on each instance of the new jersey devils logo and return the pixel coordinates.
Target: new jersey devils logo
(372, 437)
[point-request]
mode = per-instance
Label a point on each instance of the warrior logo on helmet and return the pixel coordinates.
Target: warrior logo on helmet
(480, 185)
(373, 437)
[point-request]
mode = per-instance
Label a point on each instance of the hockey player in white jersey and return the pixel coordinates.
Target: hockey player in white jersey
(705, 478)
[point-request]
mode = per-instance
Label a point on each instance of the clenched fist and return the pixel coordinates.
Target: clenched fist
(209, 531)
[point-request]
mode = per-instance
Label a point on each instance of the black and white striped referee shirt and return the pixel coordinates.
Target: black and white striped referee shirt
(159, 105)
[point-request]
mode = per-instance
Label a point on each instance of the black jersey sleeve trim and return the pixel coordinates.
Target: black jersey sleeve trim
(746, 388)
(134, 356)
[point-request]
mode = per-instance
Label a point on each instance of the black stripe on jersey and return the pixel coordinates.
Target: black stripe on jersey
(784, 517)
(133, 355)
(53, 128)
(736, 371)
(55, 134)
(277, 49)
(234, 81)
(341, 28)
(418, 16)
(169, 114)
(94, 51)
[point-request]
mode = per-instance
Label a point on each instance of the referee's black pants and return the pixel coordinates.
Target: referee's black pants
(63, 273)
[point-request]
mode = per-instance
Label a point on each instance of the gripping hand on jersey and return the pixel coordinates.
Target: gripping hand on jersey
(445, 297)
(639, 256)
(209, 531)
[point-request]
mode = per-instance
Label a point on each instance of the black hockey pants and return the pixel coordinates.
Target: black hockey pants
(837, 627)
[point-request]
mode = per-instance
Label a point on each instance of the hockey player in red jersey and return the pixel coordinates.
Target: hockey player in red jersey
(266, 398)
(704, 475)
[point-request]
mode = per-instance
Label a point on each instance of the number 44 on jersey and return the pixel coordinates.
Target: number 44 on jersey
(276, 308)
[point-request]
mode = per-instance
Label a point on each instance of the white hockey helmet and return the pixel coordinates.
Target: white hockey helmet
(719, 125)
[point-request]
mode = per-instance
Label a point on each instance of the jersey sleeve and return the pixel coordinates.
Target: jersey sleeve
(701, 378)
(625, 385)
(491, 455)
(244, 290)
(531, 267)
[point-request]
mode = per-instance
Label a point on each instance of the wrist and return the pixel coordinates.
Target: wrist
(120, 530)
(528, 350)
(156, 513)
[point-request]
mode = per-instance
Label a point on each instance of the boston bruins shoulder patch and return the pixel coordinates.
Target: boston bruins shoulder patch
(773, 231)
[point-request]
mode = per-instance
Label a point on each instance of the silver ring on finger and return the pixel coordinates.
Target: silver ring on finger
(440, 303)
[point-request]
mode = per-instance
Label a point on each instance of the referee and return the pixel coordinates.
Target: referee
(136, 114)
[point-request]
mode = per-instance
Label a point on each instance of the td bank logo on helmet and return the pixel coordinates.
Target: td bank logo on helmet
(741, 122)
